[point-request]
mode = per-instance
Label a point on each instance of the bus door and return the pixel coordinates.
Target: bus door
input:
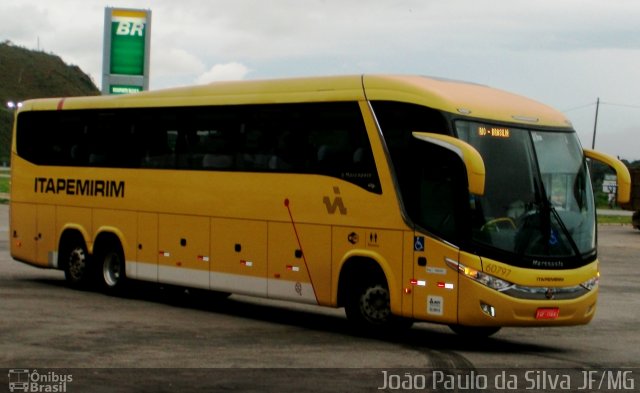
(434, 285)
(436, 197)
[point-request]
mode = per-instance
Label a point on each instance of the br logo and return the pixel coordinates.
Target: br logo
(130, 28)
(335, 204)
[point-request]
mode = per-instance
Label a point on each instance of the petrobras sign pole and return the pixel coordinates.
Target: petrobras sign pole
(125, 61)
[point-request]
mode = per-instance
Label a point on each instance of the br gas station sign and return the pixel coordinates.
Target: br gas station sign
(127, 37)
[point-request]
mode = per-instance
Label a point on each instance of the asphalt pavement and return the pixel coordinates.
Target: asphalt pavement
(161, 339)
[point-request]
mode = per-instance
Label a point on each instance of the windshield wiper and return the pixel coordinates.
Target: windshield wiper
(547, 209)
(565, 230)
(540, 213)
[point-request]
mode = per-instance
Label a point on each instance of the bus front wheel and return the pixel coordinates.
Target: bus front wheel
(368, 308)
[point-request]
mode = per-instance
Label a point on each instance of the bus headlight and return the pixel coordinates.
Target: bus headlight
(483, 278)
(591, 283)
(488, 280)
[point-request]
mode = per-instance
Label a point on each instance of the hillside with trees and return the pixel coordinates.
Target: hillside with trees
(26, 74)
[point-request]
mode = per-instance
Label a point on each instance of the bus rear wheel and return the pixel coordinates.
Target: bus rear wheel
(76, 263)
(110, 259)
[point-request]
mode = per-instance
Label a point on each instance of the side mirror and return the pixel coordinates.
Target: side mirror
(468, 154)
(622, 173)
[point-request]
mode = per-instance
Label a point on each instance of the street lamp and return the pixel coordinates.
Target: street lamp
(14, 106)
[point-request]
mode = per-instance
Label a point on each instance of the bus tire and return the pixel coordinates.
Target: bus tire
(475, 332)
(368, 308)
(112, 269)
(76, 262)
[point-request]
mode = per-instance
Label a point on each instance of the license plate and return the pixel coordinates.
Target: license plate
(547, 313)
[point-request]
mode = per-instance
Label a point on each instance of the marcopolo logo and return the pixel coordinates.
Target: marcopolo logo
(24, 380)
(335, 204)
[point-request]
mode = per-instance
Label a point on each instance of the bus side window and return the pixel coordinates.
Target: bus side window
(441, 197)
(159, 148)
(336, 153)
(290, 153)
(79, 150)
(397, 123)
(253, 154)
(186, 143)
(218, 150)
(328, 139)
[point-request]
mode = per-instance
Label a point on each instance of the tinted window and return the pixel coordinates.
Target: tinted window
(437, 196)
(327, 139)
(411, 161)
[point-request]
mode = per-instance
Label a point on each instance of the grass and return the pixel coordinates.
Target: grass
(614, 220)
(4, 184)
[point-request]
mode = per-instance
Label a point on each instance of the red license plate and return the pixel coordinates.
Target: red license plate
(547, 313)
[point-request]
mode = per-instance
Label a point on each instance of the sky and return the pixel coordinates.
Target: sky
(565, 53)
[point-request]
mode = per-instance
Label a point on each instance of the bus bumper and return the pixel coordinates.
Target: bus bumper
(479, 305)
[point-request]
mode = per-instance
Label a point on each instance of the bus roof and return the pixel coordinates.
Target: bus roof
(464, 98)
(455, 97)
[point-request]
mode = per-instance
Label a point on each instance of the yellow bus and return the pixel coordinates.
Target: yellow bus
(399, 198)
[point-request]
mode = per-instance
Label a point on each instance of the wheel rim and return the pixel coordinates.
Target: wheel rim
(77, 263)
(111, 269)
(374, 304)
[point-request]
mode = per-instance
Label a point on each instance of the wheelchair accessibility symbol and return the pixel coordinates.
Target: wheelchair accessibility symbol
(418, 243)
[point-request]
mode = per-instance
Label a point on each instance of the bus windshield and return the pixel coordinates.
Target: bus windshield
(538, 209)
